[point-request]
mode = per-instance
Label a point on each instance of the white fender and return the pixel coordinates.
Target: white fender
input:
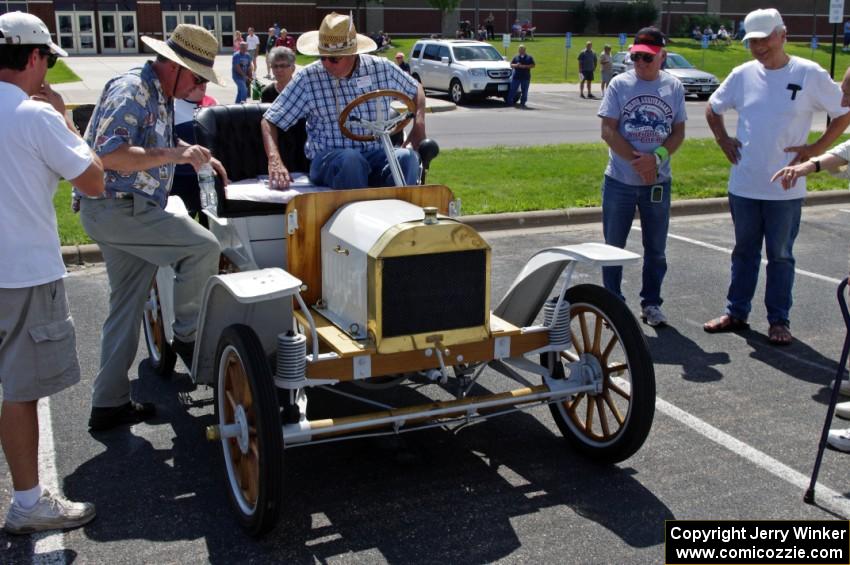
(260, 299)
(534, 283)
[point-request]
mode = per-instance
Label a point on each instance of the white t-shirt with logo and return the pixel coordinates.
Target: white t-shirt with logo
(253, 42)
(646, 111)
(775, 110)
(36, 149)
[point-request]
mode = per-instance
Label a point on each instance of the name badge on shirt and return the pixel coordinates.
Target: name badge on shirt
(664, 91)
(160, 127)
(364, 83)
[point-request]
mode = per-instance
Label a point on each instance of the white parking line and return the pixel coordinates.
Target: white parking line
(763, 261)
(844, 210)
(824, 496)
(48, 547)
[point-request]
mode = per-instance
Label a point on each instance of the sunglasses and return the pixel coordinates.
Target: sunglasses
(645, 57)
(333, 60)
(199, 80)
(50, 56)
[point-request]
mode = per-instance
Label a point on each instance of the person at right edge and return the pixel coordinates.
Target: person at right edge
(775, 96)
(643, 123)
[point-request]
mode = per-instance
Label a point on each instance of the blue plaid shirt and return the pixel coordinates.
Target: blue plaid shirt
(133, 109)
(319, 97)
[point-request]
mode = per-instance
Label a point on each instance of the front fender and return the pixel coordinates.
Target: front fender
(260, 299)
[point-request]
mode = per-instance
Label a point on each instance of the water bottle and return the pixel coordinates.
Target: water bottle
(206, 182)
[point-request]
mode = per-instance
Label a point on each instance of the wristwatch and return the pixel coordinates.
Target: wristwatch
(817, 164)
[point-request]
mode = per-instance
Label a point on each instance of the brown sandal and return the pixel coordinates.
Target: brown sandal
(779, 334)
(725, 323)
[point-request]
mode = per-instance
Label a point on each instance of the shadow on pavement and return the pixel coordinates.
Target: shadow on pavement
(432, 496)
(670, 347)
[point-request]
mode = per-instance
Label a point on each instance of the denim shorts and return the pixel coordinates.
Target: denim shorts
(38, 354)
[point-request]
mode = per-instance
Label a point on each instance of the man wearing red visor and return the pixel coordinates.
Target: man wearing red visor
(643, 123)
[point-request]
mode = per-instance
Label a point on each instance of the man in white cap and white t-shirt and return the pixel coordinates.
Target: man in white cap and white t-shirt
(38, 357)
(776, 96)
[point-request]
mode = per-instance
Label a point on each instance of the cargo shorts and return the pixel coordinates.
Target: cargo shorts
(38, 353)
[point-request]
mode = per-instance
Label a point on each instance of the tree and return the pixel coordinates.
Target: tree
(445, 6)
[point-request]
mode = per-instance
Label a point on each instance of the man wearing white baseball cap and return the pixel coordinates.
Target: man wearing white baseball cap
(38, 357)
(776, 96)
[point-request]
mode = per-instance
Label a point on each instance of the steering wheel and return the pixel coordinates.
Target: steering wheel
(390, 126)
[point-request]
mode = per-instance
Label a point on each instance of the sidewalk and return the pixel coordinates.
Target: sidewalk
(95, 72)
(80, 254)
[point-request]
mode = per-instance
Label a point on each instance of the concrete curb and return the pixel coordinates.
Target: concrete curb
(90, 253)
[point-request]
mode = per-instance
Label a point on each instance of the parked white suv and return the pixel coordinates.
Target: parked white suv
(461, 67)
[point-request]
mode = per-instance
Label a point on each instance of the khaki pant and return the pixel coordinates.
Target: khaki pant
(136, 236)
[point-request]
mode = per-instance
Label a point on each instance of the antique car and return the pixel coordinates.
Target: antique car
(360, 291)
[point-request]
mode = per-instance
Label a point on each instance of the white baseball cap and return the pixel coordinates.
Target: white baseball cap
(19, 28)
(760, 23)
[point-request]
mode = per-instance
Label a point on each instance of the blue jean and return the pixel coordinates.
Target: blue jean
(241, 89)
(350, 168)
(518, 83)
(776, 223)
(619, 201)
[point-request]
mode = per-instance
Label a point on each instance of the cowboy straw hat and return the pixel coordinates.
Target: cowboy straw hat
(336, 37)
(192, 47)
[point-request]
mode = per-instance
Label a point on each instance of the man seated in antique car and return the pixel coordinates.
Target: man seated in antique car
(321, 91)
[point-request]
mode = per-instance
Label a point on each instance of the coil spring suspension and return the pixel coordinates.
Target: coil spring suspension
(291, 359)
(559, 334)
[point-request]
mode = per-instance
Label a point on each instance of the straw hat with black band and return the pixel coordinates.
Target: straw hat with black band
(336, 37)
(192, 47)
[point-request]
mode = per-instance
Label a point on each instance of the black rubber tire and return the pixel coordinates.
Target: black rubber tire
(456, 92)
(416, 78)
(620, 334)
(160, 355)
(239, 355)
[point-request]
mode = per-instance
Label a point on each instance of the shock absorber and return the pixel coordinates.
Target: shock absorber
(291, 371)
(559, 334)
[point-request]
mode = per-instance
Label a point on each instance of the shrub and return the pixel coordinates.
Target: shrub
(581, 17)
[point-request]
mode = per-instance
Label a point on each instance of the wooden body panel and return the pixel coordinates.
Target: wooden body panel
(304, 252)
(333, 339)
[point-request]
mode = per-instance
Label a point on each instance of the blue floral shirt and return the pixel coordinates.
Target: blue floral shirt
(133, 109)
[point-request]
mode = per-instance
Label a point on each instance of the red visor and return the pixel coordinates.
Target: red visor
(644, 48)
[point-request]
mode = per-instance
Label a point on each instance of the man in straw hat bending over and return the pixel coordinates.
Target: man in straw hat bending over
(132, 130)
(319, 93)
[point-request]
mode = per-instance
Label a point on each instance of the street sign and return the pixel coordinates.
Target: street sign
(836, 11)
(705, 42)
(622, 40)
(506, 40)
(814, 42)
(569, 40)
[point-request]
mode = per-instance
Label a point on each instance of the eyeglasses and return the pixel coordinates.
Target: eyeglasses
(50, 56)
(281, 66)
(645, 57)
(333, 60)
(199, 80)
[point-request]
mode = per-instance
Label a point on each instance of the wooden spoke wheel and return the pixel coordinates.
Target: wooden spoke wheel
(248, 416)
(612, 425)
(362, 99)
(160, 355)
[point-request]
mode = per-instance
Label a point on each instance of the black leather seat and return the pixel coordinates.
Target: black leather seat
(232, 133)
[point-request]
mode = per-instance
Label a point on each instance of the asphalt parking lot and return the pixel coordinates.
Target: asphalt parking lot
(734, 437)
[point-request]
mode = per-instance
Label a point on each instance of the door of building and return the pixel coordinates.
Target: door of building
(221, 24)
(118, 33)
(75, 31)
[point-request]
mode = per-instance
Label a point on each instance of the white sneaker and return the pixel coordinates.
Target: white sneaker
(839, 439)
(653, 315)
(49, 513)
(842, 410)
